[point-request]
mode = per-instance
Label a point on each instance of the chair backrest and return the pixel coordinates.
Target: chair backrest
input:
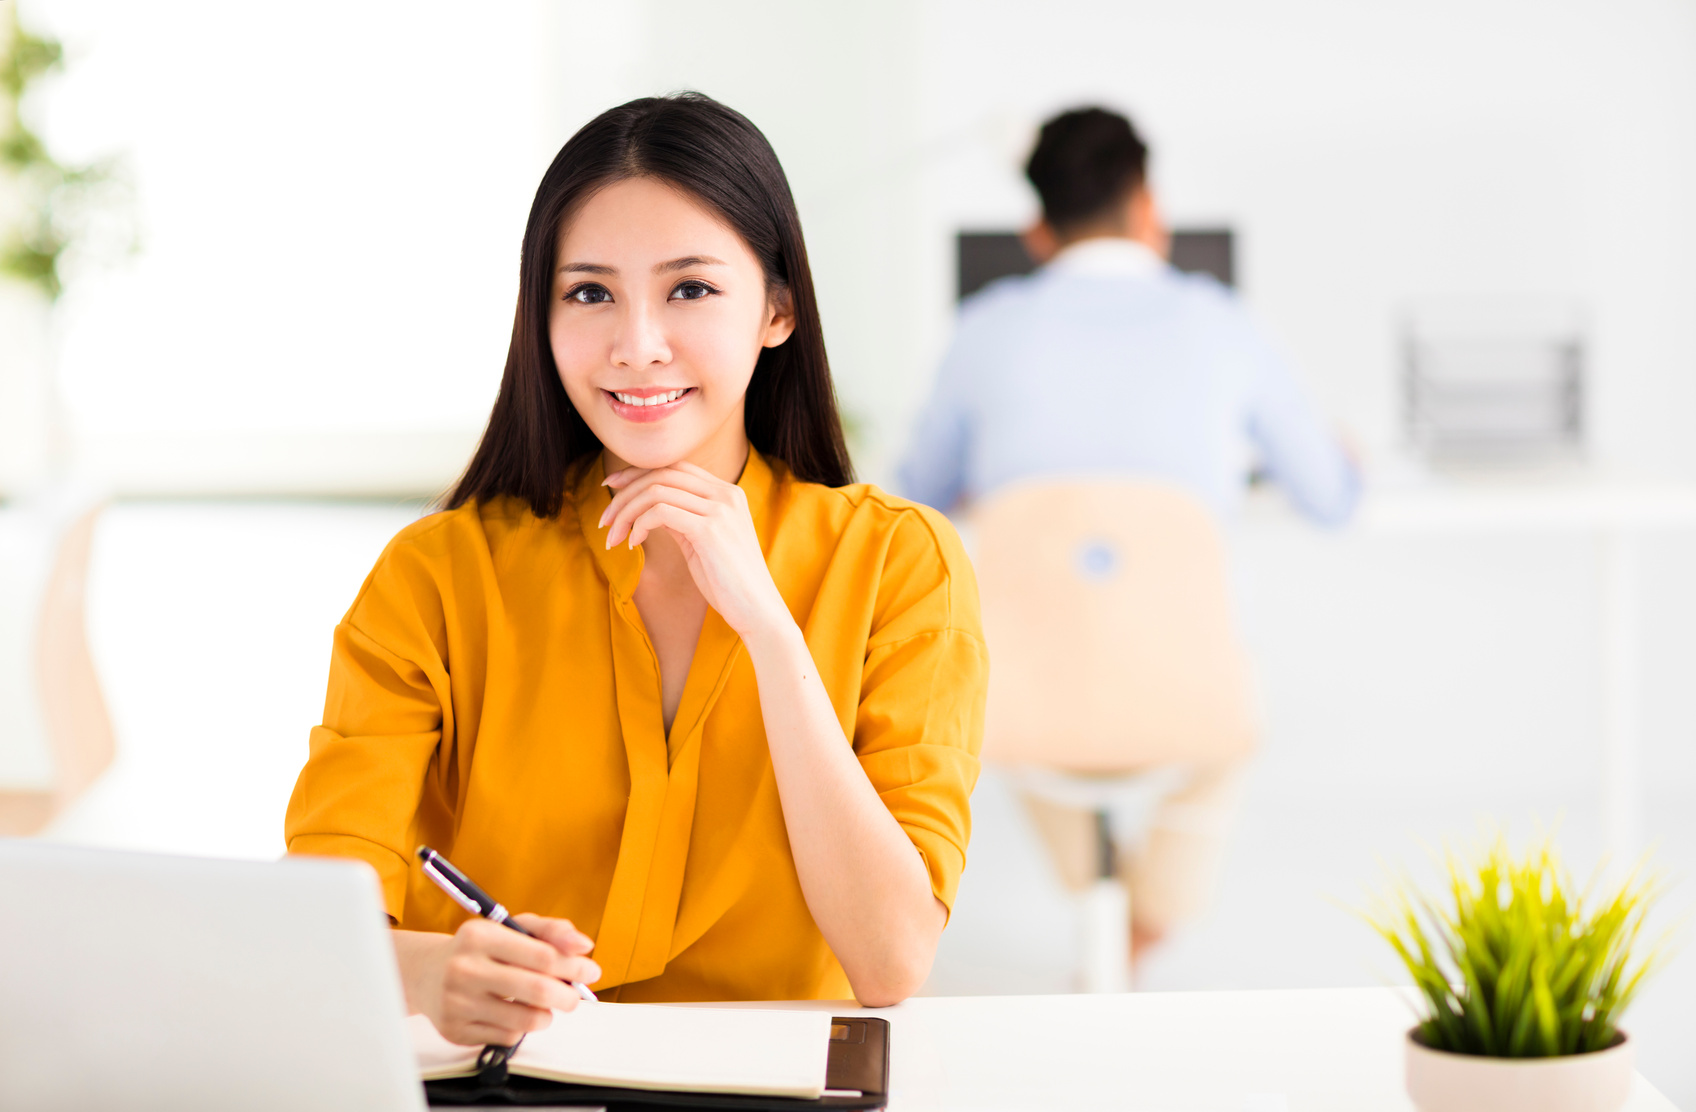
(71, 700)
(1112, 646)
(72, 713)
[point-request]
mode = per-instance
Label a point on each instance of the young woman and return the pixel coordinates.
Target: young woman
(659, 670)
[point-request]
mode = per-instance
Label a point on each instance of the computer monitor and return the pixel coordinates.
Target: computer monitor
(982, 257)
(139, 981)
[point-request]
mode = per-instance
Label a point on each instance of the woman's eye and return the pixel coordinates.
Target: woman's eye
(692, 291)
(588, 294)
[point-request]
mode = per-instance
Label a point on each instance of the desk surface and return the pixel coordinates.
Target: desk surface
(1471, 507)
(1305, 1051)
(1528, 504)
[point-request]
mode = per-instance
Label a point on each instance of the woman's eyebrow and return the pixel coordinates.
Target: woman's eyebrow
(688, 261)
(588, 268)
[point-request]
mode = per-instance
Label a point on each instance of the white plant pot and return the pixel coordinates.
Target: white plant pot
(1439, 1081)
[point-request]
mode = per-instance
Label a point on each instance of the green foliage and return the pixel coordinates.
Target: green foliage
(1520, 964)
(59, 200)
(27, 58)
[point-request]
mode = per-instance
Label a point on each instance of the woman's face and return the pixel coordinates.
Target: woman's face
(659, 314)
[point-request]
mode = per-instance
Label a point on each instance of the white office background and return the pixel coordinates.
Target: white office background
(329, 200)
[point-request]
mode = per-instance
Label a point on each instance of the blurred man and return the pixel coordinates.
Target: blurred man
(1108, 362)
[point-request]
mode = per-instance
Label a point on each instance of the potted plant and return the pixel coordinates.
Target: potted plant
(1522, 979)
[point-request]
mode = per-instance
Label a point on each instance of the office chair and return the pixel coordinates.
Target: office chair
(72, 713)
(1115, 671)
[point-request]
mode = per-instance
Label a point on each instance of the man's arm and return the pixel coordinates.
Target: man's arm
(1302, 454)
(933, 469)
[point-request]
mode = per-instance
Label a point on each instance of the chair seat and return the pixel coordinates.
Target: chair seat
(1127, 791)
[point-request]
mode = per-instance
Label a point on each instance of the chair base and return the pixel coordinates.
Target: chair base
(1105, 945)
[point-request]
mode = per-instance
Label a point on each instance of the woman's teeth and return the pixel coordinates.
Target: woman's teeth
(657, 399)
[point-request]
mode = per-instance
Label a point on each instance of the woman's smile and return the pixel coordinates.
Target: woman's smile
(648, 403)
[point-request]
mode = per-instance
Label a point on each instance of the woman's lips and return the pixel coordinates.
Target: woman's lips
(650, 409)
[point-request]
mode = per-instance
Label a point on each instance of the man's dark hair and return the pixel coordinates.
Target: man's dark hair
(714, 154)
(1086, 162)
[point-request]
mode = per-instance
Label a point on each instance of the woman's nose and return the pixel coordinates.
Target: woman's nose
(641, 340)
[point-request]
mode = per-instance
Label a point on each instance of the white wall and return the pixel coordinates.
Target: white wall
(331, 196)
(330, 199)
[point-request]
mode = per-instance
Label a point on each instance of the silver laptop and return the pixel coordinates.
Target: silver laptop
(134, 981)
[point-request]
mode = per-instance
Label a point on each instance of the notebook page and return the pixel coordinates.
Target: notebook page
(438, 1058)
(704, 1050)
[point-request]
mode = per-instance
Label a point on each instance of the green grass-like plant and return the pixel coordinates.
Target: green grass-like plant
(1520, 964)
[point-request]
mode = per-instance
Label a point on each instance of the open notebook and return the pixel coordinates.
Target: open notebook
(748, 1051)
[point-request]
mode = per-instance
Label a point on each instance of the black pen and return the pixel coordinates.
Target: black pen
(463, 892)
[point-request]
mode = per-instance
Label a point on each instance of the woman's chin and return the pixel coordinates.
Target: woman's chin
(648, 457)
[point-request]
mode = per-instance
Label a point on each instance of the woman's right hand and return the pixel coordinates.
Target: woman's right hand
(487, 984)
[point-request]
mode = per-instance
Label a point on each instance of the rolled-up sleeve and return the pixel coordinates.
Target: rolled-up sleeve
(368, 762)
(919, 725)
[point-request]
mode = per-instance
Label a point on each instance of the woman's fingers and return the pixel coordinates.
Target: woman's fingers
(475, 990)
(521, 986)
(561, 934)
(489, 1019)
(679, 472)
(709, 488)
(508, 983)
(619, 478)
(664, 516)
(479, 936)
(495, 984)
(693, 469)
(482, 1034)
(632, 482)
(539, 955)
(710, 519)
(651, 496)
(583, 970)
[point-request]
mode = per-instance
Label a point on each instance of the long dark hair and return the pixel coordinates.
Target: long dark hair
(535, 435)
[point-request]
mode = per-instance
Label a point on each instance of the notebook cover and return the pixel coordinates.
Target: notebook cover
(859, 1059)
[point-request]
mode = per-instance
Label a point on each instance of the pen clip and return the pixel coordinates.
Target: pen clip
(447, 885)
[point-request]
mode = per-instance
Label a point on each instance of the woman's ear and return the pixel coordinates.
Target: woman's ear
(780, 323)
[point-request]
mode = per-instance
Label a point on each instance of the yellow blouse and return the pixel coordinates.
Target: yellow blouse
(494, 695)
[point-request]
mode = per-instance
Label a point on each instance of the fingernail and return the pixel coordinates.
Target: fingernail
(594, 972)
(606, 513)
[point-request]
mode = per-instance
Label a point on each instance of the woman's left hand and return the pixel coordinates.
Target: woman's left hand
(710, 520)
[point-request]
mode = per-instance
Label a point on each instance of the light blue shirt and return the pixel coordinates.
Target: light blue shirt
(1108, 361)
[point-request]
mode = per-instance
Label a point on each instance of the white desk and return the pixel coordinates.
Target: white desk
(1618, 515)
(1312, 1050)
